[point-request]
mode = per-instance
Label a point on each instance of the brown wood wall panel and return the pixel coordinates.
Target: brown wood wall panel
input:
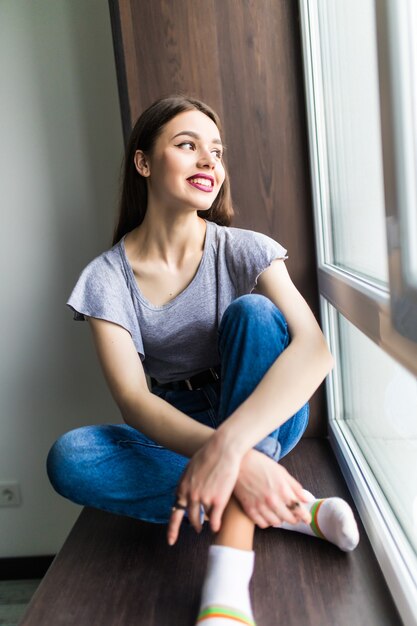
(243, 57)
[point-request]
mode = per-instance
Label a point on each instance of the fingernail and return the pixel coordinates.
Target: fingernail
(171, 541)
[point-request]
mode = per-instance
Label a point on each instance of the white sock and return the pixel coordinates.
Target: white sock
(225, 597)
(332, 519)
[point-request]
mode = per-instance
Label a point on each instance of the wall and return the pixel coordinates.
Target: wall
(60, 152)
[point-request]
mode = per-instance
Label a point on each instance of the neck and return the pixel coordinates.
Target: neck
(170, 240)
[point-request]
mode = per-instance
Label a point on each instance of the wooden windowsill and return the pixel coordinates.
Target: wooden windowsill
(115, 570)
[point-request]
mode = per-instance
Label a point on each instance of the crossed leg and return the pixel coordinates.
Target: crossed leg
(225, 596)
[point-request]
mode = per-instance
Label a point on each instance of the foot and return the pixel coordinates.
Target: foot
(331, 519)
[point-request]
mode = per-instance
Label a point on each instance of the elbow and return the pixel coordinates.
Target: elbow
(127, 418)
(330, 362)
(133, 407)
(326, 357)
(127, 414)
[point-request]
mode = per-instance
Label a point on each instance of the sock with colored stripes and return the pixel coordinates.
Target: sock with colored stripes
(225, 597)
(331, 519)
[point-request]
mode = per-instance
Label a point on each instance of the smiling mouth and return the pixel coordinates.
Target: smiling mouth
(204, 184)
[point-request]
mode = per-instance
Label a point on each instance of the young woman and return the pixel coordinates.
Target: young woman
(232, 350)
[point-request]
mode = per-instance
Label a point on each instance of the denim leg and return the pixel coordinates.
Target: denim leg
(115, 468)
(118, 469)
(252, 334)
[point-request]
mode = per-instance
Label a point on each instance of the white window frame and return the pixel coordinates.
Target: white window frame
(365, 304)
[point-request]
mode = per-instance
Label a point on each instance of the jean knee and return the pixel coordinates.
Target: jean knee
(256, 314)
(249, 303)
(252, 305)
(63, 460)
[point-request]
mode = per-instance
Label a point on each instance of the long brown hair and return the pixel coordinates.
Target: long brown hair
(134, 197)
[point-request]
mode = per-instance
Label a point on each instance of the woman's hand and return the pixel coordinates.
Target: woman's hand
(208, 480)
(265, 490)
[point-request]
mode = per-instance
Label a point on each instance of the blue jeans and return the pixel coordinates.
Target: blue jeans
(118, 469)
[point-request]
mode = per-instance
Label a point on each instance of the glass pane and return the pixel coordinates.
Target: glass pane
(380, 409)
(352, 119)
(410, 88)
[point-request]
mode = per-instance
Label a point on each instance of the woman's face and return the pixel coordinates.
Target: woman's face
(185, 168)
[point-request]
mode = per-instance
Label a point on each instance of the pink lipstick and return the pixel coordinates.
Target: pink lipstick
(201, 182)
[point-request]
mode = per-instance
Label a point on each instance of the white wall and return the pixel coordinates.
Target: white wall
(60, 153)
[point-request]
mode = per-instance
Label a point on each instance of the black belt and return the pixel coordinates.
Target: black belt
(195, 382)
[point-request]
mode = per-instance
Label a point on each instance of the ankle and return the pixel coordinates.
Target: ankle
(226, 586)
(237, 528)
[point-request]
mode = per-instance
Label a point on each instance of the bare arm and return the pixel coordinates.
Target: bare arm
(295, 375)
(140, 408)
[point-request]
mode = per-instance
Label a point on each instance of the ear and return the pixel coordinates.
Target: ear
(141, 163)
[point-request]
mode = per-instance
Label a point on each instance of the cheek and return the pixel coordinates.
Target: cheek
(176, 157)
(167, 164)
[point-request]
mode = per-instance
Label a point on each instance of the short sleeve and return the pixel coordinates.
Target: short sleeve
(102, 292)
(253, 253)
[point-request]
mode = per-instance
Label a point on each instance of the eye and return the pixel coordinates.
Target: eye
(186, 143)
(218, 153)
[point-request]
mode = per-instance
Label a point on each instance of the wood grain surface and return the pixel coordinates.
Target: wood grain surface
(243, 57)
(116, 571)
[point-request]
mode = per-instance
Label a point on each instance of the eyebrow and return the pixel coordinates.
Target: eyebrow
(191, 133)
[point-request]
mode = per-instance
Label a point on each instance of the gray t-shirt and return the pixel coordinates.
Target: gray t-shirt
(178, 339)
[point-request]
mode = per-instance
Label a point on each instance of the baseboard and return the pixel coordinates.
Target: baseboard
(18, 568)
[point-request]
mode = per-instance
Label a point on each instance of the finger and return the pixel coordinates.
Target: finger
(298, 490)
(255, 516)
(305, 514)
(286, 507)
(287, 515)
(174, 526)
(299, 508)
(300, 511)
(301, 515)
(294, 499)
(295, 512)
(260, 521)
(215, 517)
(270, 516)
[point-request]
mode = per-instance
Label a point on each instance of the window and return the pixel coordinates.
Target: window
(360, 63)
(398, 96)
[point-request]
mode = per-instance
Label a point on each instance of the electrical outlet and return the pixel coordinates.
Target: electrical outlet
(9, 494)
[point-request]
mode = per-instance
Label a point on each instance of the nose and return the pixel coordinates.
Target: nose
(207, 159)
